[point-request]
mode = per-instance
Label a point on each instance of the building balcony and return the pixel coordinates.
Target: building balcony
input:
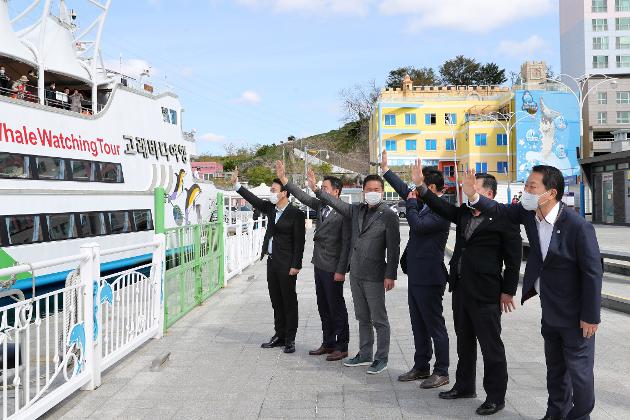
(602, 145)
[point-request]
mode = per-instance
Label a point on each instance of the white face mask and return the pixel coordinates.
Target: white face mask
(530, 201)
(274, 198)
(2, 71)
(372, 198)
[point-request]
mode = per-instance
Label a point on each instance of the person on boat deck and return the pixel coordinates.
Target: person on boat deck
(51, 94)
(5, 82)
(66, 99)
(75, 101)
(19, 87)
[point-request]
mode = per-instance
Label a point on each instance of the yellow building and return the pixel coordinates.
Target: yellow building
(442, 125)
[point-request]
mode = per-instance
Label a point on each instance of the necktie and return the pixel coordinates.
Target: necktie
(325, 212)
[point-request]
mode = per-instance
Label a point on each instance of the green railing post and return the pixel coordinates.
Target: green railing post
(197, 263)
(159, 198)
(220, 227)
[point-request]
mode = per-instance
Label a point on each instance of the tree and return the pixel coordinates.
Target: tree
(460, 71)
(358, 104)
(256, 175)
(490, 74)
(229, 165)
(424, 76)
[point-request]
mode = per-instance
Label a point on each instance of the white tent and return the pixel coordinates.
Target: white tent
(261, 191)
(11, 46)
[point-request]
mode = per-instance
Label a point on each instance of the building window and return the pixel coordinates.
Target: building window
(450, 118)
(410, 119)
(502, 167)
(602, 98)
(480, 139)
(622, 24)
(600, 61)
(430, 144)
(623, 117)
(602, 118)
(390, 119)
(390, 145)
(429, 119)
(501, 139)
(600, 43)
(600, 25)
(411, 144)
(450, 144)
(623, 98)
(622, 42)
(622, 5)
(623, 61)
(481, 167)
(449, 171)
(599, 6)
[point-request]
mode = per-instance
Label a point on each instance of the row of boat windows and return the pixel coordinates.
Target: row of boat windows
(14, 165)
(35, 228)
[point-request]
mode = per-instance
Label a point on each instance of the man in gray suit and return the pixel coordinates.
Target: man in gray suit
(374, 252)
(330, 258)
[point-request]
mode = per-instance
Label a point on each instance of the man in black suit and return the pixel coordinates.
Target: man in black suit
(284, 245)
(484, 243)
(564, 268)
(428, 233)
(330, 260)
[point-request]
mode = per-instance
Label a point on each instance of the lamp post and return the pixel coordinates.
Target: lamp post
(451, 126)
(508, 127)
(580, 97)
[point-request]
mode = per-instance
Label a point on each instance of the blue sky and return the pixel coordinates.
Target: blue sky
(256, 71)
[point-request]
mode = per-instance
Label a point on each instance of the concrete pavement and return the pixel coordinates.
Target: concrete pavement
(218, 370)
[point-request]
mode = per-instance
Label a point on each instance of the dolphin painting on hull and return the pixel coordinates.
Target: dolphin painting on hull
(179, 185)
(192, 194)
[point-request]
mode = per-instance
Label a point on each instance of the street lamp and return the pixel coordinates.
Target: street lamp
(508, 131)
(580, 97)
(451, 126)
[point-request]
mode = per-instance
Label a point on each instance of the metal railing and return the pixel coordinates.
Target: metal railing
(242, 245)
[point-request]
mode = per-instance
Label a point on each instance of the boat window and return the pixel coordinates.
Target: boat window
(173, 116)
(50, 168)
(14, 166)
(119, 222)
(143, 220)
(61, 227)
(165, 115)
(111, 172)
(83, 170)
(92, 224)
(23, 229)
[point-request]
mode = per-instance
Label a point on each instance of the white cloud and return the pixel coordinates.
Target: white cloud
(326, 7)
(132, 67)
(531, 48)
(212, 138)
(469, 16)
(249, 97)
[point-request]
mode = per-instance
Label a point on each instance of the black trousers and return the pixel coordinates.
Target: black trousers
(427, 323)
(479, 321)
(570, 383)
(332, 310)
(283, 300)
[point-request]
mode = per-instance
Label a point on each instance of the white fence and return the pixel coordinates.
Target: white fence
(56, 343)
(242, 245)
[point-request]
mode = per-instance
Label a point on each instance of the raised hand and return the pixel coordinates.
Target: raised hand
(468, 184)
(384, 166)
(413, 194)
(416, 173)
(310, 178)
(234, 178)
(281, 172)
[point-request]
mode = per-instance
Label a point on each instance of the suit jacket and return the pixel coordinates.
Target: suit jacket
(495, 242)
(570, 275)
(288, 234)
(375, 244)
(332, 235)
(428, 233)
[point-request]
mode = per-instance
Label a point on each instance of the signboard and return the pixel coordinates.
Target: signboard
(551, 136)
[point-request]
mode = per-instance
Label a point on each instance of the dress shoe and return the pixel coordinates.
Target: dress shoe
(414, 375)
(289, 347)
(552, 417)
(489, 408)
(434, 381)
(336, 355)
(274, 341)
(321, 350)
(454, 394)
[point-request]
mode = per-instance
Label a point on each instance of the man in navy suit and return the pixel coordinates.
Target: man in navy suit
(564, 268)
(427, 275)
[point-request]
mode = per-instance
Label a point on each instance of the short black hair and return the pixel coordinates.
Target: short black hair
(433, 176)
(282, 186)
(489, 182)
(373, 177)
(335, 182)
(552, 179)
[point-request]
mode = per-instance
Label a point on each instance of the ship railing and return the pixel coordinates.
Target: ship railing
(52, 98)
(56, 343)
